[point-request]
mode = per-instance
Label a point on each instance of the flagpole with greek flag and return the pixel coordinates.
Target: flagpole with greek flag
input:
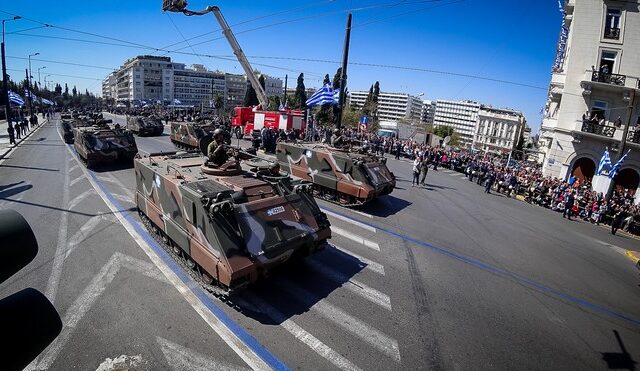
(605, 162)
(617, 166)
(322, 96)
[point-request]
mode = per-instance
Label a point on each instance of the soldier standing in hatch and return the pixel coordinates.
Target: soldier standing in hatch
(216, 151)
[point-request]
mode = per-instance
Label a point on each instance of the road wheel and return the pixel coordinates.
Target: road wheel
(190, 263)
(206, 278)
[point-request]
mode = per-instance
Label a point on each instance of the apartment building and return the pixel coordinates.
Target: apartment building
(462, 116)
(593, 101)
(498, 130)
(391, 106)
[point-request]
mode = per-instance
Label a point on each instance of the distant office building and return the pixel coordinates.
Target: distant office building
(391, 106)
(595, 74)
(236, 88)
(272, 86)
(196, 86)
(428, 110)
(141, 78)
(498, 130)
(462, 116)
(109, 86)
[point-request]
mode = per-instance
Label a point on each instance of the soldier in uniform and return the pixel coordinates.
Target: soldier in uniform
(216, 151)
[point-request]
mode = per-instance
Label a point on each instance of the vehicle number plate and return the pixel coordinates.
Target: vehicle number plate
(275, 210)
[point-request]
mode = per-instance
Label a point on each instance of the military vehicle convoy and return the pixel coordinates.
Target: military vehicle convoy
(102, 144)
(187, 135)
(66, 127)
(227, 225)
(342, 176)
(145, 125)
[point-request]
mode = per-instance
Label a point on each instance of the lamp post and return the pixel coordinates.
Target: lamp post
(30, 100)
(5, 84)
(40, 68)
(45, 82)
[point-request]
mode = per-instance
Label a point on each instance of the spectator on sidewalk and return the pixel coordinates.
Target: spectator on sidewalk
(11, 131)
(424, 169)
(16, 127)
(34, 121)
(417, 164)
(24, 126)
(569, 200)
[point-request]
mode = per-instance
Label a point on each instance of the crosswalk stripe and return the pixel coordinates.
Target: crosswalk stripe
(349, 220)
(355, 238)
(301, 334)
(354, 286)
(356, 327)
(370, 264)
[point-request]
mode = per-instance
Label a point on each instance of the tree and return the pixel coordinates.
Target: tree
(86, 92)
(336, 87)
(301, 93)
(374, 100)
(250, 98)
(443, 131)
(58, 89)
(218, 101)
(74, 91)
(325, 114)
(66, 92)
(274, 103)
(368, 103)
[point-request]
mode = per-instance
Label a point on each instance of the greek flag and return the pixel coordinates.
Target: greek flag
(15, 99)
(323, 96)
(29, 94)
(617, 166)
(47, 102)
(176, 101)
(605, 161)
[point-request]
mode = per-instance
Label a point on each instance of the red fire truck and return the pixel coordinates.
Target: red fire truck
(248, 121)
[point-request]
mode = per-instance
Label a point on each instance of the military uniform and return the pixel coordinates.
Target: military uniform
(217, 153)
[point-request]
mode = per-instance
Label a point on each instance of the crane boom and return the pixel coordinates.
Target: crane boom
(244, 62)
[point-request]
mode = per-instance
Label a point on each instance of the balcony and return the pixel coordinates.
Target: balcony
(634, 135)
(608, 78)
(594, 128)
(612, 33)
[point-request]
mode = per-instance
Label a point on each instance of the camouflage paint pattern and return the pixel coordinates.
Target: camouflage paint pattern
(103, 145)
(187, 134)
(145, 125)
(235, 227)
(354, 177)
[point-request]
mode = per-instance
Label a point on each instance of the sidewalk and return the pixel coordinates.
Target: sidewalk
(5, 147)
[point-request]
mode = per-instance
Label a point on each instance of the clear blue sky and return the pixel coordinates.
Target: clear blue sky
(507, 40)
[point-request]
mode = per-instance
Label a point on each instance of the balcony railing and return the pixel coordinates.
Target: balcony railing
(608, 78)
(612, 33)
(634, 135)
(594, 128)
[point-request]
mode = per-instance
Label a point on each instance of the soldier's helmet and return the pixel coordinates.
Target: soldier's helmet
(218, 132)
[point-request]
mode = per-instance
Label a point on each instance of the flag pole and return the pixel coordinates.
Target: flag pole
(343, 74)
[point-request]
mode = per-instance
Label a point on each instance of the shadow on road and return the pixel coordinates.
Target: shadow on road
(8, 191)
(105, 168)
(621, 360)
(30, 168)
(3, 197)
(307, 281)
(384, 206)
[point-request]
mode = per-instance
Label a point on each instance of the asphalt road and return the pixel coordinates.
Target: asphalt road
(441, 276)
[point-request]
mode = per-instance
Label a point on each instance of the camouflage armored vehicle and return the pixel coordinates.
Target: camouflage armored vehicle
(101, 144)
(228, 225)
(145, 125)
(342, 176)
(66, 127)
(186, 135)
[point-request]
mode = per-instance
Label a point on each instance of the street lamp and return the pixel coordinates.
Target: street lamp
(30, 100)
(5, 86)
(40, 68)
(45, 82)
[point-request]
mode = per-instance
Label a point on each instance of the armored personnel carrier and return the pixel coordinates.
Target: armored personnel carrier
(227, 225)
(102, 144)
(343, 176)
(145, 125)
(66, 128)
(187, 135)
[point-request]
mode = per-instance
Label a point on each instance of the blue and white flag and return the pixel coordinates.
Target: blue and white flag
(29, 94)
(323, 96)
(617, 166)
(605, 162)
(47, 102)
(176, 101)
(15, 99)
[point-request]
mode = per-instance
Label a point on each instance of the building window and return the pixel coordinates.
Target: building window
(599, 109)
(612, 24)
(607, 61)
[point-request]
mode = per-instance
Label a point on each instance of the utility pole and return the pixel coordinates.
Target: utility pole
(5, 82)
(26, 72)
(284, 99)
(343, 75)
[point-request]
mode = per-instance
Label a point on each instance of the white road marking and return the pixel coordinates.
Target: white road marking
(349, 220)
(84, 302)
(83, 232)
(58, 257)
(355, 238)
(361, 213)
(108, 179)
(358, 288)
(370, 264)
(79, 198)
(76, 180)
(122, 198)
(116, 181)
(301, 334)
(356, 327)
(229, 337)
(182, 358)
(73, 168)
(122, 362)
(453, 174)
(615, 248)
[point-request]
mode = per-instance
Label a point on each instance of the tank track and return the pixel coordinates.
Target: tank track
(184, 146)
(320, 192)
(180, 258)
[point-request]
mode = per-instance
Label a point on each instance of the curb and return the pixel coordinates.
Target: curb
(633, 255)
(33, 130)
